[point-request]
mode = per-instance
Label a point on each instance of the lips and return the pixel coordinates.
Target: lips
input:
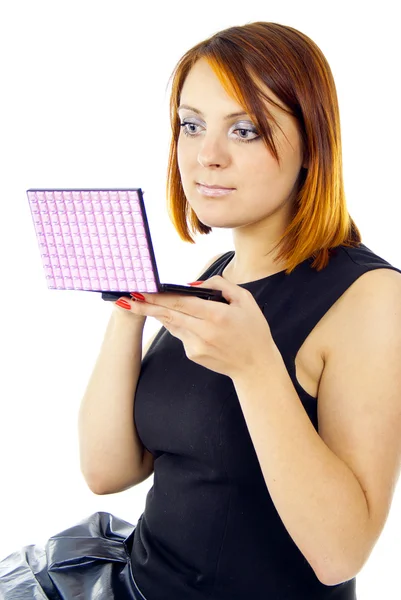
(215, 187)
(213, 192)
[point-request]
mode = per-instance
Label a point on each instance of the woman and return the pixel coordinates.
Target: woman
(271, 423)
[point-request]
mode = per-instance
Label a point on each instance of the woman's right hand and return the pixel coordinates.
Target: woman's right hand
(127, 311)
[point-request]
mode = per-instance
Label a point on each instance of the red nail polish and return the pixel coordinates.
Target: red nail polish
(195, 283)
(123, 304)
(138, 296)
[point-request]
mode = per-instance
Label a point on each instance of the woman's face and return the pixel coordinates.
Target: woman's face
(218, 151)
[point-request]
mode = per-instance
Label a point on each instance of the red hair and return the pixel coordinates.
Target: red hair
(295, 69)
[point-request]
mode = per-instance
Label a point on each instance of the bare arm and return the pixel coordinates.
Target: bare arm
(112, 456)
(110, 449)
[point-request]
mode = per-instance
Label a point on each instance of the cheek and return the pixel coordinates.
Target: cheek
(262, 169)
(182, 156)
(184, 167)
(265, 179)
(186, 162)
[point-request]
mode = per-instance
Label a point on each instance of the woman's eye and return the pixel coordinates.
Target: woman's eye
(184, 125)
(242, 130)
(246, 131)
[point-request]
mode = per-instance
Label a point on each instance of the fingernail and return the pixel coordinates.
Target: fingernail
(195, 282)
(138, 296)
(123, 304)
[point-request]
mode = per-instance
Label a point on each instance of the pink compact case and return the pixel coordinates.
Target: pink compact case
(98, 240)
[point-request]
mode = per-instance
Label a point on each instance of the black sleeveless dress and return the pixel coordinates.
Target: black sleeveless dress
(209, 529)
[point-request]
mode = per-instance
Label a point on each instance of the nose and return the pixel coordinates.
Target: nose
(212, 153)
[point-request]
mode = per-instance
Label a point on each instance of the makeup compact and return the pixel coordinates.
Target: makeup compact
(98, 240)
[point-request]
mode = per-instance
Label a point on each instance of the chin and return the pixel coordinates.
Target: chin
(223, 222)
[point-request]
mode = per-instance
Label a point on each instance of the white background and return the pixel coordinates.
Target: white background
(84, 103)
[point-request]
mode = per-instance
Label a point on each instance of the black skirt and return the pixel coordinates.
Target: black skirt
(90, 560)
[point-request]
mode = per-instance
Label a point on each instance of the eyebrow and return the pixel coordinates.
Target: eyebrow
(195, 110)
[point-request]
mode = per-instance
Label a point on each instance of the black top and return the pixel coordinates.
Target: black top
(210, 528)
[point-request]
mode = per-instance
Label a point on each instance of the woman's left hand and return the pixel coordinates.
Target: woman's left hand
(227, 338)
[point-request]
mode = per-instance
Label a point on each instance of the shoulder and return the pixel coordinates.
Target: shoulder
(375, 290)
(373, 287)
(374, 295)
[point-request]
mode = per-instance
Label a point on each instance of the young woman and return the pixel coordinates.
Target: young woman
(272, 422)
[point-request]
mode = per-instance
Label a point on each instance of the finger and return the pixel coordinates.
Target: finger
(192, 306)
(174, 319)
(232, 292)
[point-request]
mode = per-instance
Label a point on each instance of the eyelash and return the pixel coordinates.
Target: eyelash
(185, 131)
